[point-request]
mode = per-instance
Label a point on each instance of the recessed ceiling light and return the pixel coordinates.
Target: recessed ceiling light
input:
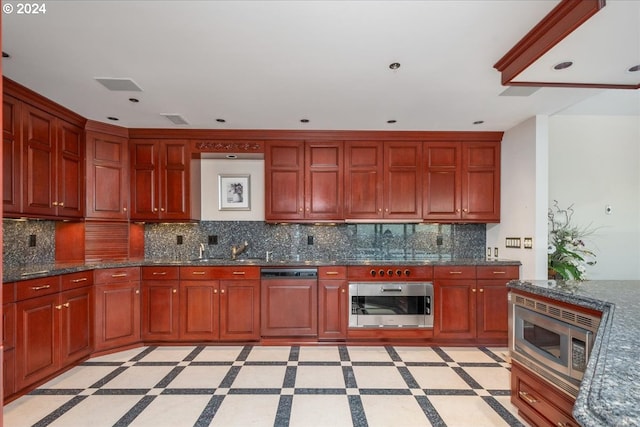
(221, 120)
(478, 122)
(134, 100)
(304, 120)
(5, 55)
(115, 119)
(394, 65)
(231, 156)
(563, 65)
(391, 121)
(631, 69)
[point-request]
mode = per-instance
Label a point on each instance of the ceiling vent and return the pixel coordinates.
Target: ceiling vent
(520, 91)
(176, 119)
(119, 84)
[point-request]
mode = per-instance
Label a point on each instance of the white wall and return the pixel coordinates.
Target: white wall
(210, 168)
(524, 196)
(594, 161)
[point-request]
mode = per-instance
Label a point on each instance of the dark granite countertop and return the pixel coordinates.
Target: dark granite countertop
(44, 270)
(610, 390)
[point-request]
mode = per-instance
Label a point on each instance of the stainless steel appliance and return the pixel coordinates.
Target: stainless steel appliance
(551, 340)
(393, 297)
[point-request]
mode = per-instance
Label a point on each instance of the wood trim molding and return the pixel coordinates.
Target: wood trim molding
(107, 128)
(565, 18)
(33, 98)
(240, 135)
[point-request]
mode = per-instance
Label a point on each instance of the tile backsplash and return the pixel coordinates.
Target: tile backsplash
(317, 242)
(286, 241)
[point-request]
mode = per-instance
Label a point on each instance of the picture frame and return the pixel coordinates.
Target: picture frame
(234, 192)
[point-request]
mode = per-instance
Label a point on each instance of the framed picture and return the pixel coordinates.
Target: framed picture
(235, 192)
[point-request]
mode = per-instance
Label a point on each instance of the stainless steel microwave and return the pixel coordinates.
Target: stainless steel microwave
(554, 341)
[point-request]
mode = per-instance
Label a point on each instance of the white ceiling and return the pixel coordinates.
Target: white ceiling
(268, 64)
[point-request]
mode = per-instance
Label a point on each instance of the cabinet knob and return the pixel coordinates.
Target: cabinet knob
(61, 204)
(222, 291)
(300, 210)
(465, 210)
(175, 291)
(65, 305)
(155, 209)
(473, 290)
(215, 291)
(137, 291)
(58, 307)
(124, 209)
(379, 210)
(161, 209)
(458, 210)
(343, 290)
(54, 203)
(481, 290)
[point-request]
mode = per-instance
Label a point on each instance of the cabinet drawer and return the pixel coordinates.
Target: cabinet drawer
(38, 287)
(508, 272)
(160, 273)
(332, 272)
(454, 272)
(198, 273)
(238, 273)
(114, 275)
(76, 280)
(8, 292)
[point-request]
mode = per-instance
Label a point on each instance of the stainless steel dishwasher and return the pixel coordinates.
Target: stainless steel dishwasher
(289, 302)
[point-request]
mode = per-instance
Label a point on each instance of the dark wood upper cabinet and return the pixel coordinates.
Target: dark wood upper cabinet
(107, 176)
(160, 180)
(363, 180)
(402, 180)
(462, 181)
(70, 170)
(11, 155)
(284, 180)
(324, 181)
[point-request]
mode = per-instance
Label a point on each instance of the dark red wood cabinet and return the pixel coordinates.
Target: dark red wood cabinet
(117, 307)
(363, 178)
(160, 180)
(284, 180)
(289, 307)
(333, 303)
(11, 155)
(160, 303)
(471, 302)
(107, 176)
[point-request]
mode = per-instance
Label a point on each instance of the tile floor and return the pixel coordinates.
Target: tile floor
(277, 386)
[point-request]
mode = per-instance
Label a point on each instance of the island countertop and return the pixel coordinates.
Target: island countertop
(610, 390)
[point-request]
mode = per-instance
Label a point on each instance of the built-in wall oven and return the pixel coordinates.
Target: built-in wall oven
(551, 340)
(391, 297)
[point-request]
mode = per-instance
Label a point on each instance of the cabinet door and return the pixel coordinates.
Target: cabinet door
(9, 353)
(107, 176)
(70, 170)
(456, 309)
(117, 315)
(442, 181)
(76, 323)
(403, 180)
(239, 310)
(11, 155)
(492, 309)
(145, 195)
(481, 181)
(37, 352)
(324, 181)
(39, 150)
(284, 180)
(199, 310)
(363, 180)
(160, 308)
(175, 176)
(333, 316)
(289, 307)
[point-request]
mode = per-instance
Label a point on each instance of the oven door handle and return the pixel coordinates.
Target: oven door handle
(398, 289)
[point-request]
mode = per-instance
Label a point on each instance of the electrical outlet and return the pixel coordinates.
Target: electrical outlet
(179, 240)
(32, 240)
(213, 239)
(439, 240)
(528, 242)
(309, 240)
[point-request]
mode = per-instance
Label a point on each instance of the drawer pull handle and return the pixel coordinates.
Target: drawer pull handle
(527, 397)
(159, 273)
(119, 275)
(331, 273)
(39, 288)
(198, 273)
(499, 272)
(455, 272)
(238, 273)
(84, 279)
(561, 424)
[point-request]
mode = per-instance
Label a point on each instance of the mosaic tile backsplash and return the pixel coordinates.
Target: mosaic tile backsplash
(286, 241)
(317, 242)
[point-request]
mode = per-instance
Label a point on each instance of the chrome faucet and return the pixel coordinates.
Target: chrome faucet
(201, 251)
(235, 251)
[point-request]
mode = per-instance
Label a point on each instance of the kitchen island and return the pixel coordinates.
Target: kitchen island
(610, 390)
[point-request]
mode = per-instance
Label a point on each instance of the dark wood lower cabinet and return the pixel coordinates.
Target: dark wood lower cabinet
(117, 315)
(539, 402)
(76, 331)
(239, 310)
(199, 310)
(160, 303)
(289, 307)
(333, 303)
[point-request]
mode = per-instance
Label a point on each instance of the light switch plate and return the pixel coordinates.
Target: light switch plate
(528, 242)
(512, 242)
